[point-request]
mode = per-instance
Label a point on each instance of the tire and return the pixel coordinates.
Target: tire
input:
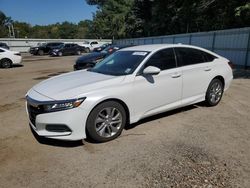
(6, 63)
(106, 121)
(214, 92)
(60, 54)
(78, 52)
(87, 50)
(40, 52)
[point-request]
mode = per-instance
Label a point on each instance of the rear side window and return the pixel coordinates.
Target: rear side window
(163, 59)
(209, 57)
(94, 42)
(190, 56)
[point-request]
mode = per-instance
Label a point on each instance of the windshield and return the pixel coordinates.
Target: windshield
(41, 44)
(120, 63)
(105, 50)
(61, 46)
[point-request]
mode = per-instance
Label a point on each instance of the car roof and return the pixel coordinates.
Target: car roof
(155, 47)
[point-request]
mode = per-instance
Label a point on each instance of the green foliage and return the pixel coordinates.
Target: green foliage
(141, 18)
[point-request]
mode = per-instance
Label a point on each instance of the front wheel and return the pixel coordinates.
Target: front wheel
(214, 92)
(60, 54)
(106, 121)
(78, 52)
(40, 52)
(87, 50)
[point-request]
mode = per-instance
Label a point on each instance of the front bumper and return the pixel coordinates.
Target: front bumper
(73, 120)
(33, 51)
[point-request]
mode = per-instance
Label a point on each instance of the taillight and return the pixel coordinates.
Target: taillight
(231, 64)
(17, 54)
(110, 50)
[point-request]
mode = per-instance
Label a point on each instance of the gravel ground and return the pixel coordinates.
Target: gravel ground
(194, 146)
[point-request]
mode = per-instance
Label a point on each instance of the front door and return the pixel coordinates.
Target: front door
(158, 93)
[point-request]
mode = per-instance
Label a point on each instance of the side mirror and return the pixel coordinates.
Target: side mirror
(151, 70)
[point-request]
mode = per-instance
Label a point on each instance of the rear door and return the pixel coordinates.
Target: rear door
(197, 72)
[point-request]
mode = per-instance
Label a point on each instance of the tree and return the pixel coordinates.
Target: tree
(110, 20)
(4, 20)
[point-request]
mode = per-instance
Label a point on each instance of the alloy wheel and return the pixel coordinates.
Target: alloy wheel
(215, 92)
(108, 122)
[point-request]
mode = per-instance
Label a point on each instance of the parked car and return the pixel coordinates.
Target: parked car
(67, 49)
(90, 45)
(88, 61)
(44, 48)
(102, 47)
(128, 85)
(4, 45)
(9, 58)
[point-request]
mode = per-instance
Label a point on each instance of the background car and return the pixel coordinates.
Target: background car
(102, 47)
(88, 61)
(44, 48)
(67, 49)
(9, 58)
(4, 45)
(90, 45)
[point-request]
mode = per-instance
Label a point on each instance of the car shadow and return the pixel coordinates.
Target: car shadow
(70, 144)
(162, 115)
(54, 142)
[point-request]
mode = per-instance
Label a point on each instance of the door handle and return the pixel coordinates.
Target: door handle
(176, 75)
(207, 69)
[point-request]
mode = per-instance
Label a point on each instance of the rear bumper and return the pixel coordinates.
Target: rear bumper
(17, 60)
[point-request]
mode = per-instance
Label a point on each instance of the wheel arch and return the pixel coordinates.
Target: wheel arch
(221, 78)
(124, 105)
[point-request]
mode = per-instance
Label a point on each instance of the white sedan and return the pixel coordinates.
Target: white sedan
(9, 58)
(129, 85)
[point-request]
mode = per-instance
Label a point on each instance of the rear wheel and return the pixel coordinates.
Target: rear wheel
(6, 63)
(214, 92)
(106, 121)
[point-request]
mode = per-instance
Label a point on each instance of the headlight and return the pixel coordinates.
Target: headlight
(56, 50)
(36, 48)
(63, 105)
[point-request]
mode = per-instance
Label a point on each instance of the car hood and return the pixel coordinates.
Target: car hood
(90, 57)
(75, 84)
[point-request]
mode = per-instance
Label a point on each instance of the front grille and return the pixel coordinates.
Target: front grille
(34, 111)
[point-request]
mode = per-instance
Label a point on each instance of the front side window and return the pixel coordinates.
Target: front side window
(163, 59)
(190, 56)
(120, 63)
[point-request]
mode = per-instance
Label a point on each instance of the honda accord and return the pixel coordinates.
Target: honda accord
(131, 84)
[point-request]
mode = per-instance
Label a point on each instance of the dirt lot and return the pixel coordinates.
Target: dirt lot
(192, 147)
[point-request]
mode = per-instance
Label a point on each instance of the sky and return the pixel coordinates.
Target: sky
(44, 12)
